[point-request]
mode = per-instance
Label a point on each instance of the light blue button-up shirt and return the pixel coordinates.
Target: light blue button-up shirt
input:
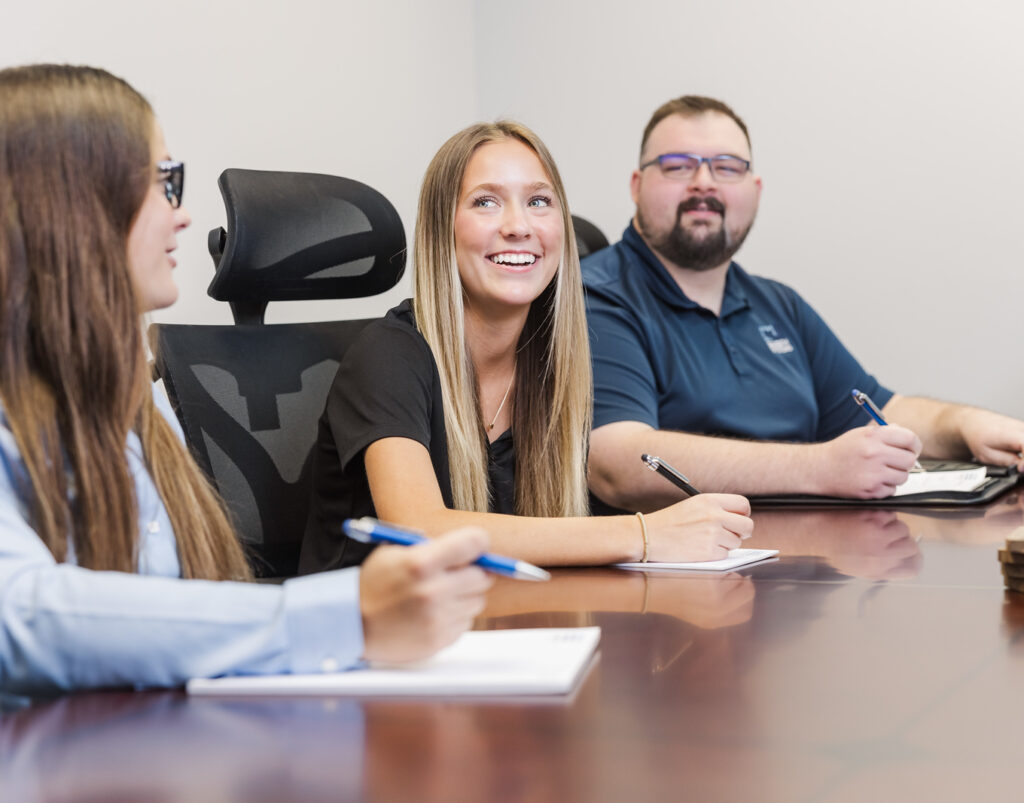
(65, 627)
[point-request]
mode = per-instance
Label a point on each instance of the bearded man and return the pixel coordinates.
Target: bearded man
(733, 378)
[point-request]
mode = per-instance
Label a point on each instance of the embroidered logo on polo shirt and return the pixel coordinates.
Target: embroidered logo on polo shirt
(776, 344)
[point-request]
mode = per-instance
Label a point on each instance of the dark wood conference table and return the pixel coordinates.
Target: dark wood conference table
(878, 659)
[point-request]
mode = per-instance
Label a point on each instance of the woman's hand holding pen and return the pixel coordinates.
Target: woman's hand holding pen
(703, 527)
(417, 600)
(867, 462)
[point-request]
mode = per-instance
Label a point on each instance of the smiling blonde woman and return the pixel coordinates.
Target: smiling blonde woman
(472, 404)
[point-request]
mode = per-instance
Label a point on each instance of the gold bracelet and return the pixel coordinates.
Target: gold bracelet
(643, 529)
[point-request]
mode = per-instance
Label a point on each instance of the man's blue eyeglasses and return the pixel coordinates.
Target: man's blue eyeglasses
(683, 166)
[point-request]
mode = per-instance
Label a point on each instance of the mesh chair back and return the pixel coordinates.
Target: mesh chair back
(249, 399)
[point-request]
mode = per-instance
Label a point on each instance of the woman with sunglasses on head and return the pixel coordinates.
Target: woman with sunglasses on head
(472, 405)
(110, 537)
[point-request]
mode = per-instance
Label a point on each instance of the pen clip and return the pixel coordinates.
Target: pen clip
(864, 400)
(659, 466)
(359, 529)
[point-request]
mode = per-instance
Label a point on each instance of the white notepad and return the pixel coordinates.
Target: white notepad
(543, 661)
(737, 558)
(964, 480)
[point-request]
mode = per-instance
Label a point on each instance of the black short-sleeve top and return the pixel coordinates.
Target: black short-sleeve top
(387, 386)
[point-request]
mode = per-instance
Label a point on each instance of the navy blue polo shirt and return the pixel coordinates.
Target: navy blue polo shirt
(768, 367)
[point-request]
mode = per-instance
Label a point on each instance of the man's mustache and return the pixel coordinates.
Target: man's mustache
(710, 203)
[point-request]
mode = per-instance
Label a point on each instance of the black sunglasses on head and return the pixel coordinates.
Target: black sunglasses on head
(173, 176)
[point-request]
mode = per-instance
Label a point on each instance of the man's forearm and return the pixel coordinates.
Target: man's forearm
(959, 431)
(864, 463)
(712, 464)
(938, 424)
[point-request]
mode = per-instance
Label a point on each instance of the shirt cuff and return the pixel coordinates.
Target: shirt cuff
(323, 621)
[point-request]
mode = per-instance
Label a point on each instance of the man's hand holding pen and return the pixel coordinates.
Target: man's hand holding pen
(867, 462)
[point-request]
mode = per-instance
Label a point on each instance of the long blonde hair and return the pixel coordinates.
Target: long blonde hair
(551, 405)
(75, 165)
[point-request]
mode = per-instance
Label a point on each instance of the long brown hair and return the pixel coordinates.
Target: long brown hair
(75, 165)
(551, 411)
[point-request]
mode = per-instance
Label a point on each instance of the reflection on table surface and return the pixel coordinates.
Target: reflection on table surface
(879, 657)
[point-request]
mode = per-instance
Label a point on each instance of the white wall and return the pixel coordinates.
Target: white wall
(887, 133)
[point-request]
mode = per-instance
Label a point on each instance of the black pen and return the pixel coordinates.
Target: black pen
(669, 473)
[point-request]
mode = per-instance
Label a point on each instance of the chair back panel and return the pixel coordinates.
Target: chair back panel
(249, 398)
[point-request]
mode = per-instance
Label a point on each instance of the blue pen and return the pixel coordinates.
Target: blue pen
(369, 530)
(869, 406)
(872, 410)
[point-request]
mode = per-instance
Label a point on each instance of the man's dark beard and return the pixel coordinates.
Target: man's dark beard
(681, 248)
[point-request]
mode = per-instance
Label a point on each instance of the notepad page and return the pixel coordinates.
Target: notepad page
(487, 662)
(920, 482)
(736, 558)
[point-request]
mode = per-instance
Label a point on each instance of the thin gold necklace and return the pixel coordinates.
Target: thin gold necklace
(504, 398)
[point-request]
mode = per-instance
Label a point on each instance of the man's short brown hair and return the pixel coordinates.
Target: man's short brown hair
(691, 106)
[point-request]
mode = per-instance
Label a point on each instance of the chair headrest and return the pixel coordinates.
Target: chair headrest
(297, 236)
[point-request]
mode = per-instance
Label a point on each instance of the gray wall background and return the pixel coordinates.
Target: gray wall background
(887, 134)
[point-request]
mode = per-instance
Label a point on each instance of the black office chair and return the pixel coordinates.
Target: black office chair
(249, 396)
(589, 238)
